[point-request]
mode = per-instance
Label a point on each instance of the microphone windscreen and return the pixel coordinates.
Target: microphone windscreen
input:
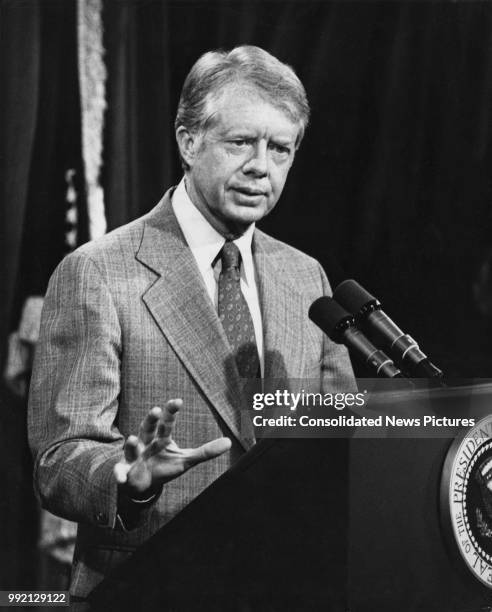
(352, 296)
(327, 315)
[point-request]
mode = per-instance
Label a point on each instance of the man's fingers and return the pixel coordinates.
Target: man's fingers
(131, 450)
(131, 453)
(209, 450)
(148, 427)
(168, 418)
(163, 438)
(121, 470)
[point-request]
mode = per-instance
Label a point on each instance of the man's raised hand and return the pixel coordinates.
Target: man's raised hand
(153, 458)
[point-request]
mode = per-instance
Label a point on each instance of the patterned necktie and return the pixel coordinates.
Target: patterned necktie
(234, 313)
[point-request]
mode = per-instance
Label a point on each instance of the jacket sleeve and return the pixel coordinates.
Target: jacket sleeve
(74, 393)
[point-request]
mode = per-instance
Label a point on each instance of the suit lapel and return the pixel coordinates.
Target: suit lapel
(282, 312)
(182, 309)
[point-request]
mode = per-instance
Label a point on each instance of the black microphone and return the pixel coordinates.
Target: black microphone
(339, 325)
(369, 315)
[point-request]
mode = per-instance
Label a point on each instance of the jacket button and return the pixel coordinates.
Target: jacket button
(101, 517)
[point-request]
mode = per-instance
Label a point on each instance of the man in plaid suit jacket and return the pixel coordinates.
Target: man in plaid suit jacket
(130, 322)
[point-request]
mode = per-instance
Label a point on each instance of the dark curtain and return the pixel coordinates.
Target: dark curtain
(19, 70)
(392, 182)
(19, 73)
(39, 141)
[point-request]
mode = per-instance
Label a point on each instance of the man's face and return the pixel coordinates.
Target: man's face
(238, 167)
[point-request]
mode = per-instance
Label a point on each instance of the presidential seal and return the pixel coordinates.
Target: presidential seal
(466, 498)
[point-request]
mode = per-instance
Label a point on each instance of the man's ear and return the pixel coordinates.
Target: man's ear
(188, 144)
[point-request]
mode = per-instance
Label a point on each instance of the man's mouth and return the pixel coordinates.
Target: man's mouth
(250, 191)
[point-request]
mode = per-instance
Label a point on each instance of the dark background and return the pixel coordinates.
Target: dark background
(392, 184)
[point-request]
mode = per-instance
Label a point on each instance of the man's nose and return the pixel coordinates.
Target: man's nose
(257, 164)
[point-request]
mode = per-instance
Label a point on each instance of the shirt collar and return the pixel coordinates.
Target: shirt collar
(204, 240)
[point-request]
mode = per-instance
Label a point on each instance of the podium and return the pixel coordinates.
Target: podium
(262, 537)
(399, 556)
(308, 524)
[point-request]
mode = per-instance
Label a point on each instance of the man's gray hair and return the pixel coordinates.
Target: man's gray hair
(275, 81)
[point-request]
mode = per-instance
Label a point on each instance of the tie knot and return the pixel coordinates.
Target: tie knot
(230, 256)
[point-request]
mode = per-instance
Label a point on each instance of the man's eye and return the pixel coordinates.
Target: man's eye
(278, 148)
(241, 142)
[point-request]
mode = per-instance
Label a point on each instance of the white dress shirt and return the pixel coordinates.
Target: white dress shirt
(205, 243)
